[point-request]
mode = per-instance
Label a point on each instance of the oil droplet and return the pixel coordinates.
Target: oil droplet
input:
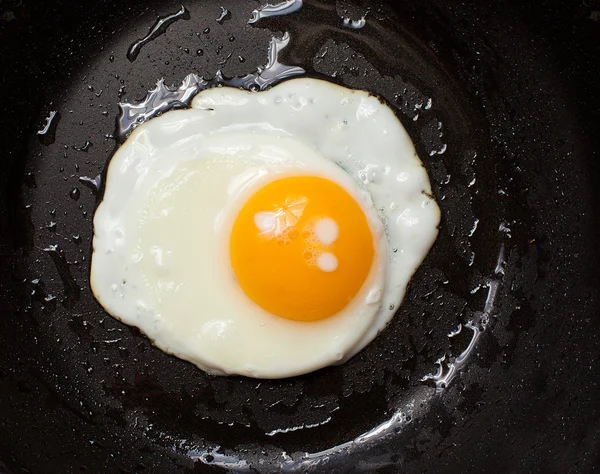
(47, 133)
(156, 30)
(284, 8)
(92, 183)
(88, 144)
(355, 24)
(163, 98)
(75, 194)
(225, 15)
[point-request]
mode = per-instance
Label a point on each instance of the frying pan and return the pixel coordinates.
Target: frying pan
(491, 363)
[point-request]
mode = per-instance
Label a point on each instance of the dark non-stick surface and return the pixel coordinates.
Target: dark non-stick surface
(511, 145)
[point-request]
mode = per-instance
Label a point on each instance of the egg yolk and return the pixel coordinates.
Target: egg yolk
(301, 248)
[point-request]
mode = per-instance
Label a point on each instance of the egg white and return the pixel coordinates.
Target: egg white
(160, 259)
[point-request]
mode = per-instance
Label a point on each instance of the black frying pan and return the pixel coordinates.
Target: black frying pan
(510, 142)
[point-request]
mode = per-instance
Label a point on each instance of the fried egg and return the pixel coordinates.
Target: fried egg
(265, 234)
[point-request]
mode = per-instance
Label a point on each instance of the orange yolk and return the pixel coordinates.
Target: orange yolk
(301, 248)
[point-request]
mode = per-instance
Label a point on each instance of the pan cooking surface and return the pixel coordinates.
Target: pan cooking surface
(481, 314)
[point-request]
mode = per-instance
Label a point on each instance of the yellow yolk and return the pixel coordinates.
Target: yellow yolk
(301, 248)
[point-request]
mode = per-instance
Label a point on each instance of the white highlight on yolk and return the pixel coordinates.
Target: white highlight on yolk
(327, 262)
(266, 222)
(327, 231)
(276, 223)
